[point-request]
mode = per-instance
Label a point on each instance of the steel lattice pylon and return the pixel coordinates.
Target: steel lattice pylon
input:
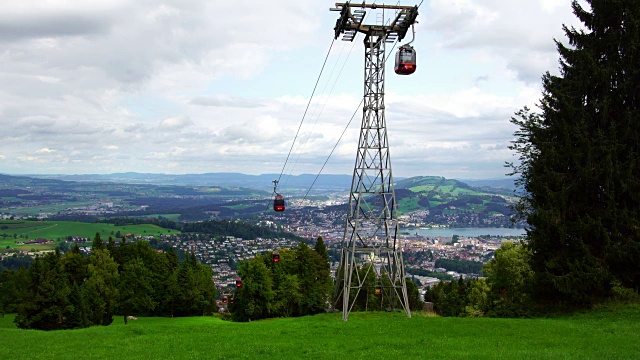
(371, 264)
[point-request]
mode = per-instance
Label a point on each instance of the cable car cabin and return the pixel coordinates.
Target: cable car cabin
(278, 203)
(275, 257)
(405, 60)
(238, 282)
(224, 299)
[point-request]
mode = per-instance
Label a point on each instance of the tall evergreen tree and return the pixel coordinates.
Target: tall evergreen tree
(49, 303)
(196, 289)
(313, 273)
(74, 267)
(101, 287)
(14, 290)
(579, 159)
(324, 269)
(134, 289)
(321, 249)
(98, 244)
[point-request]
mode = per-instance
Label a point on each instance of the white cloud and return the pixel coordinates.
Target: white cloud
(175, 123)
(200, 86)
(519, 31)
(225, 101)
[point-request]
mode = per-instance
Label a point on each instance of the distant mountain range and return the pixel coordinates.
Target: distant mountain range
(503, 183)
(196, 197)
(261, 182)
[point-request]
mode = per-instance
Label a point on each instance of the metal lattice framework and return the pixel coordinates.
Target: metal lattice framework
(371, 261)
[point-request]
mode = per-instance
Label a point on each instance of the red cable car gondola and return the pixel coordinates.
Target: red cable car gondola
(238, 282)
(275, 256)
(278, 203)
(405, 60)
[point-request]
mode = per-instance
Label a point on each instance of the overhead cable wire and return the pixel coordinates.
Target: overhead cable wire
(306, 109)
(324, 104)
(334, 148)
(343, 131)
(349, 123)
(313, 114)
(350, 120)
(334, 84)
(302, 120)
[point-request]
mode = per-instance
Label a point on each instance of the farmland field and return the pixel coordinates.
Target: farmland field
(60, 230)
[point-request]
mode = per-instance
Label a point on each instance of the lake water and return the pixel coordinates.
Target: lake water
(470, 232)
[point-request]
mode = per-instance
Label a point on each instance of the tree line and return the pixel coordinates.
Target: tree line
(376, 293)
(66, 291)
(297, 284)
(505, 292)
(460, 266)
(15, 261)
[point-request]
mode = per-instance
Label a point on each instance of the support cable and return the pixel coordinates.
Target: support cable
(343, 131)
(330, 92)
(334, 148)
(323, 105)
(350, 120)
(275, 182)
(306, 109)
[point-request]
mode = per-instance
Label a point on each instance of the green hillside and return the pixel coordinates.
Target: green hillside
(443, 197)
(14, 231)
(603, 334)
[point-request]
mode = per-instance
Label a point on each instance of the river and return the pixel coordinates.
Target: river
(468, 232)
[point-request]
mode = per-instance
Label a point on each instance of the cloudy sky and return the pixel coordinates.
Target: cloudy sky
(196, 86)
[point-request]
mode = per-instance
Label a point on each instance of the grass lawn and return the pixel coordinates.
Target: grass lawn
(612, 333)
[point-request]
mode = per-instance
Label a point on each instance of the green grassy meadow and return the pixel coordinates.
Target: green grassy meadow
(611, 333)
(172, 217)
(54, 230)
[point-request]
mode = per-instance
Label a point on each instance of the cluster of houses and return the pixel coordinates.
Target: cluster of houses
(38, 241)
(222, 253)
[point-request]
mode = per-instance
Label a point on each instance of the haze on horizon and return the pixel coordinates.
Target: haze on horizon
(173, 87)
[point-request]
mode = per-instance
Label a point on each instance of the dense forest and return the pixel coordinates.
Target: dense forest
(15, 261)
(296, 282)
(72, 291)
(240, 229)
(460, 266)
(284, 283)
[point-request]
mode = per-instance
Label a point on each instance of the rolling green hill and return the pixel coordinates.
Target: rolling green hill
(446, 197)
(610, 333)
